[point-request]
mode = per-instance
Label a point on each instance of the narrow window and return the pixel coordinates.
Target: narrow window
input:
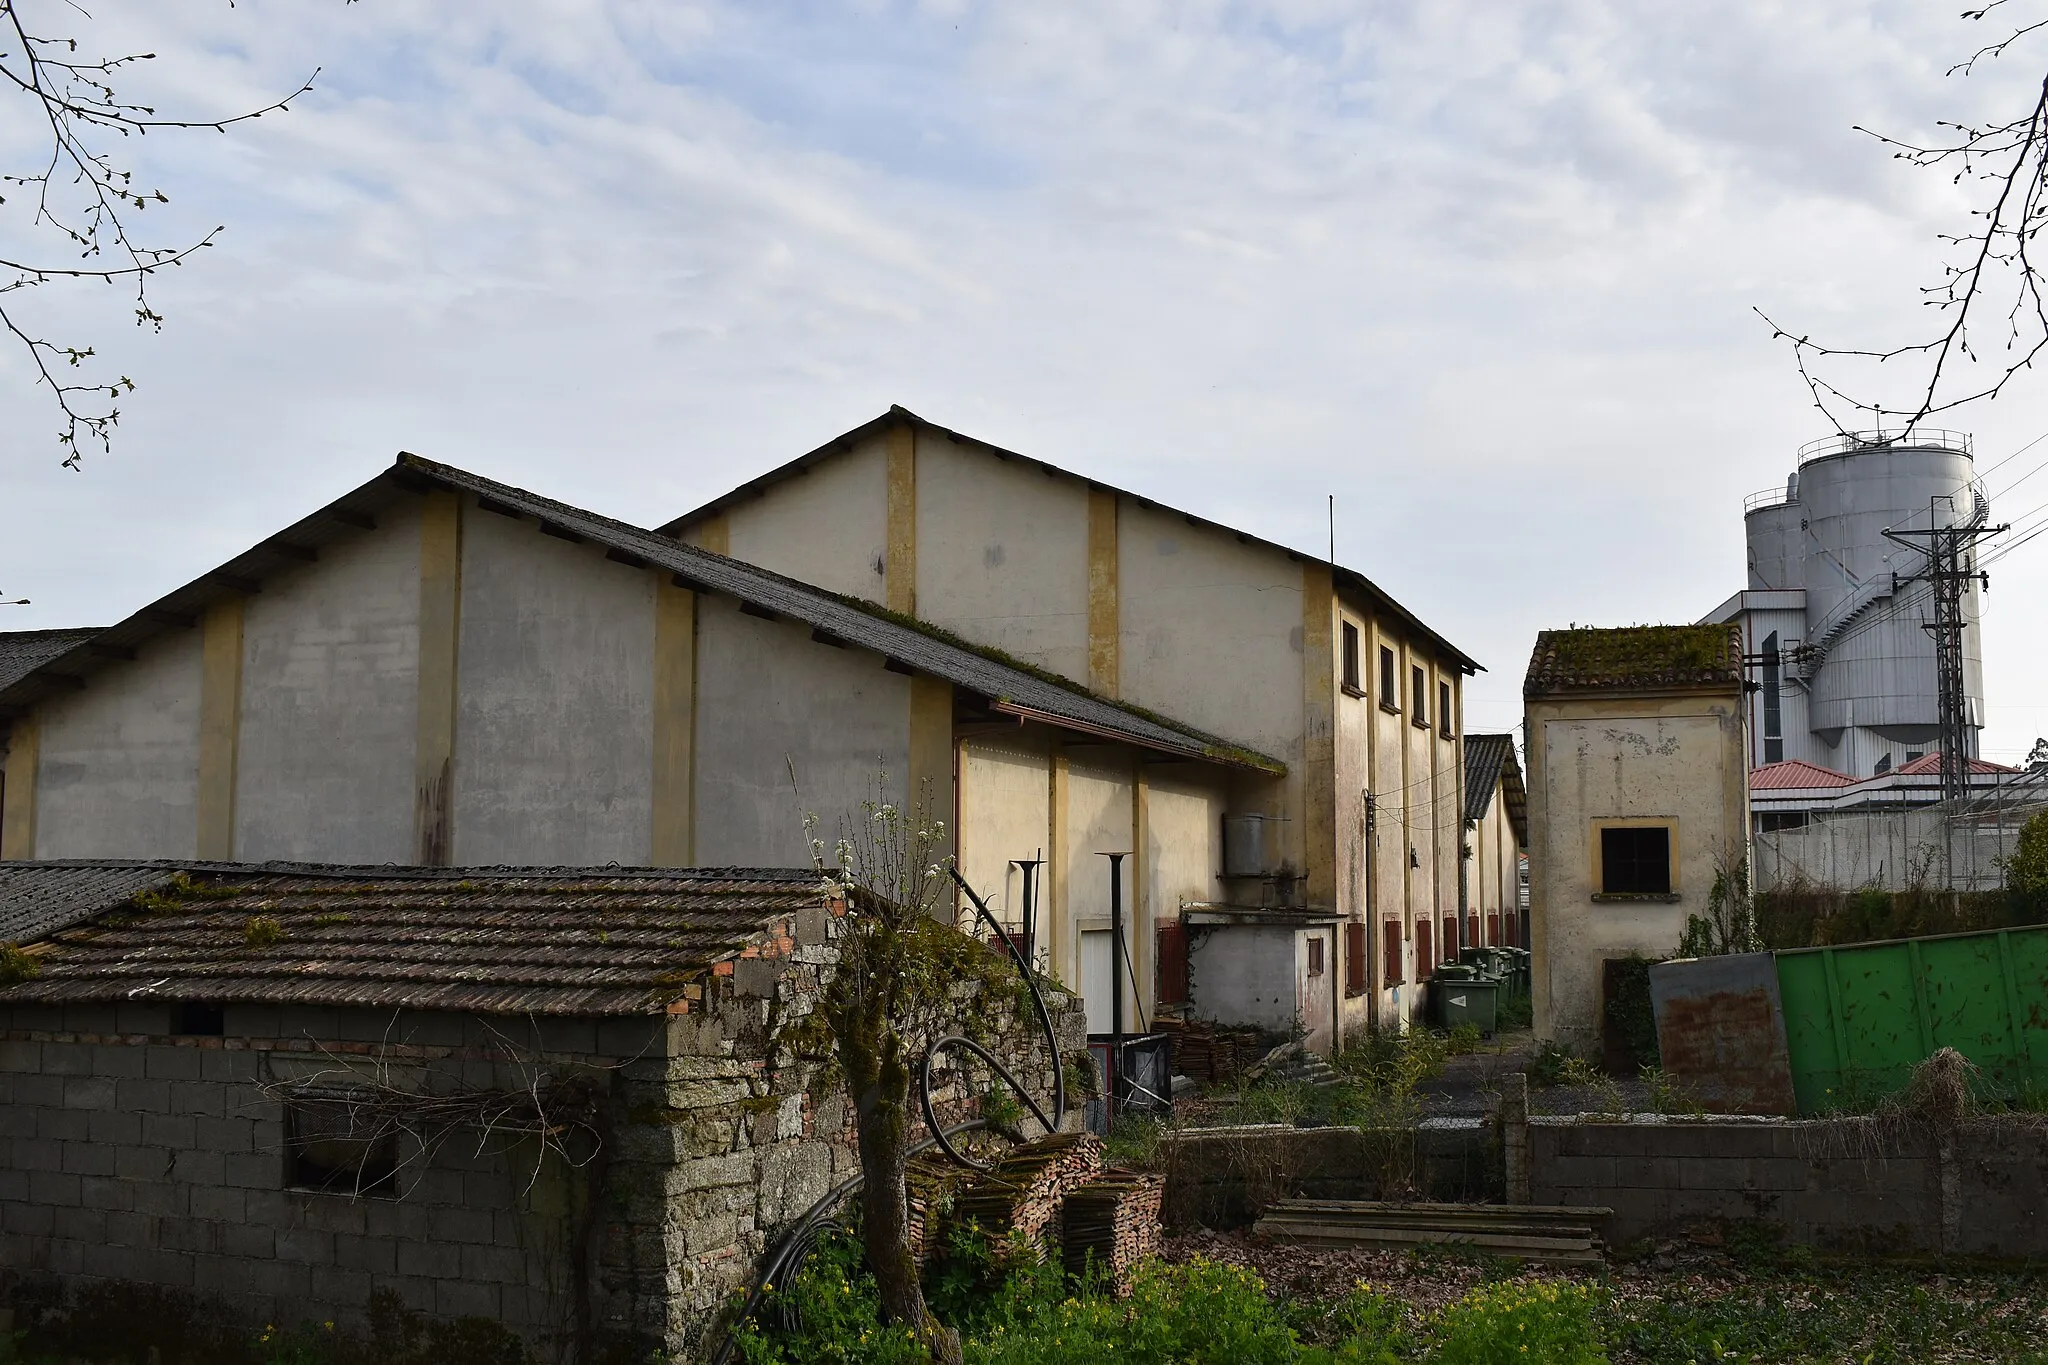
(204, 1021)
(1393, 975)
(1389, 696)
(1425, 956)
(1443, 708)
(1353, 683)
(1774, 735)
(1418, 696)
(1884, 765)
(1635, 860)
(336, 1147)
(1315, 954)
(1354, 959)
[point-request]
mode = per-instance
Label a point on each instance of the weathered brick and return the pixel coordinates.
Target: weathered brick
(63, 1125)
(189, 1236)
(37, 1220)
(82, 1225)
(66, 1059)
(41, 1091)
(226, 1134)
(226, 1205)
(18, 1121)
(163, 1198)
(199, 1168)
(21, 1057)
(88, 1158)
(131, 1229)
(330, 1213)
(253, 1170)
(169, 1130)
(198, 1097)
(114, 1127)
(172, 1064)
(375, 1255)
(134, 1162)
(248, 1239)
(144, 1097)
(288, 1282)
(308, 1245)
(117, 1060)
(226, 1066)
(338, 1285)
(459, 1298)
(430, 1260)
(105, 1192)
(462, 1225)
(89, 1092)
(494, 1265)
(13, 1183)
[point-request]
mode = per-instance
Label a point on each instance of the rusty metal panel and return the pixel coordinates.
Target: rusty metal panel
(1721, 1032)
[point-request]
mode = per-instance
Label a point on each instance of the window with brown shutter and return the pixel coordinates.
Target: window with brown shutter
(1393, 975)
(1425, 961)
(1354, 959)
(1173, 963)
(1315, 955)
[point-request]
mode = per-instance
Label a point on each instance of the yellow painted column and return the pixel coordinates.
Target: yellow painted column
(440, 634)
(672, 841)
(220, 726)
(1054, 920)
(899, 575)
(713, 534)
(1319, 733)
(1104, 606)
(18, 795)
(931, 755)
(1143, 919)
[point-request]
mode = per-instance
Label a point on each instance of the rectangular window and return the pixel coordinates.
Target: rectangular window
(1393, 975)
(1635, 860)
(1418, 696)
(1443, 708)
(1425, 957)
(193, 1018)
(1389, 696)
(1315, 954)
(1354, 959)
(336, 1147)
(1774, 742)
(1353, 682)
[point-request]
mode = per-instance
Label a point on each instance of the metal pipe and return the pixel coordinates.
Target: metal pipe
(1116, 982)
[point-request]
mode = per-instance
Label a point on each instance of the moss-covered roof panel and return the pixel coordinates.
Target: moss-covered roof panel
(1629, 658)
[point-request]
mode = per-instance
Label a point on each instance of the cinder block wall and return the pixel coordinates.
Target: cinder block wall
(135, 1153)
(1826, 1184)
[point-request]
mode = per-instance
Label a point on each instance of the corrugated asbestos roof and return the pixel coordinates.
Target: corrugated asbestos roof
(1350, 578)
(563, 941)
(1010, 686)
(24, 651)
(1634, 657)
(1489, 762)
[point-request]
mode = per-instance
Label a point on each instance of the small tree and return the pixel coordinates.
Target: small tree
(1729, 926)
(2026, 871)
(904, 973)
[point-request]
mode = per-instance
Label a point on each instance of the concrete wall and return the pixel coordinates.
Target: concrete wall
(1247, 974)
(1676, 759)
(1099, 815)
(555, 708)
(1225, 1177)
(827, 526)
(768, 695)
(117, 772)
(1829, 1185)
(1005, 815)
(330, 703)
(1002, 555)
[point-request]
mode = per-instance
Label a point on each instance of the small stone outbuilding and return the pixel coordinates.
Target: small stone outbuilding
(552, 1097)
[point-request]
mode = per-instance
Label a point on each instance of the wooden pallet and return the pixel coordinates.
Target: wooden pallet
(1552, 1234)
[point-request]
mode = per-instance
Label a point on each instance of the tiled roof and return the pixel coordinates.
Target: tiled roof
(24, 651)
(575, 941)
(1796, 773)
(41, 898)
(1931, 764)
(1489, 762)
(1630, 658)
(899, 415)
(1011, 687)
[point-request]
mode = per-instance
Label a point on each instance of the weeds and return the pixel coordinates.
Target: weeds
(262, 931)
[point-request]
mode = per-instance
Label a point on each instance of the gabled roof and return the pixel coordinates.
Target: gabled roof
(1796, 774)
(525, 940)
(898, 415)
(1635, 658)
(24, 651)
(1930, 764)
(1490, 762)
(1010, 687)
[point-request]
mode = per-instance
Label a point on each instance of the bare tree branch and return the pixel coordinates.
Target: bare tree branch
(79, 200)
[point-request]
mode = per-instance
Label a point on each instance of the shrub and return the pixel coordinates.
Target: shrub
(1629, 1008)
(1519, 1322)
(1464, 1039)
(1552, 1060)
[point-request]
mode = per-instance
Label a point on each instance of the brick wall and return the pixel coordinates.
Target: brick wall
(1842, 1184)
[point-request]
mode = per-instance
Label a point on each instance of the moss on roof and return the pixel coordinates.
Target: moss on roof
(1589, 660)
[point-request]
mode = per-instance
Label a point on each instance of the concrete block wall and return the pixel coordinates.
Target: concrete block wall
(1224, 1177)
(130, 1152)
(1833, 1184)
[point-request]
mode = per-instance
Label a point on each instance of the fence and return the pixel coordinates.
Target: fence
(1961, 846)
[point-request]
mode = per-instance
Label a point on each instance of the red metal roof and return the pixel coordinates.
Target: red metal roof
(1931, 763)
(1794, 773)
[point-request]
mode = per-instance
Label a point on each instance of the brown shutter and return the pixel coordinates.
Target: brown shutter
(1393, 975)
(1355, 949)
(1425, 958)
(1173, 963)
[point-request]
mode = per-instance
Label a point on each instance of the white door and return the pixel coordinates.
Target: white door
(1095, 982)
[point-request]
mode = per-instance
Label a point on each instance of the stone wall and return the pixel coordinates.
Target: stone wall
(1224, 1177)
(1843, 1184)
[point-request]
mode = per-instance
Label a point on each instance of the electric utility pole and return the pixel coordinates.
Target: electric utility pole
(1949, 569)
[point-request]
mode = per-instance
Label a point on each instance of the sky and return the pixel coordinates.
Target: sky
(1486, 272)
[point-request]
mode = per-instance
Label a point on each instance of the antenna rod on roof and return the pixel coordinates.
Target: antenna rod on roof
(1333, 533)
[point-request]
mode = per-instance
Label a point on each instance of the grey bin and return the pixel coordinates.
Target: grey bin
(1465, 1002)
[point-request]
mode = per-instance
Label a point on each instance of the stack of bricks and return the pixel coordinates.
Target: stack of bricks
(1110, 1225)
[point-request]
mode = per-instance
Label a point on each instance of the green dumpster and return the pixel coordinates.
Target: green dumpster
(1465, 1002)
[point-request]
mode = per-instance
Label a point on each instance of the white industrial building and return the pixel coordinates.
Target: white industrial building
(1841, 666)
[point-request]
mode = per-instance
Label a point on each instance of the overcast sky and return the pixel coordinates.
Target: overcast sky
(1483, 270)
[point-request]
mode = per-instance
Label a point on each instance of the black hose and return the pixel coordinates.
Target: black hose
(790, 1251)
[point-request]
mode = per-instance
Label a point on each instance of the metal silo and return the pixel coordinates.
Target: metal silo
(1777, 544)
(1870, 673)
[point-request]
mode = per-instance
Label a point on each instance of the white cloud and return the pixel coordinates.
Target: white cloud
(1483, 270)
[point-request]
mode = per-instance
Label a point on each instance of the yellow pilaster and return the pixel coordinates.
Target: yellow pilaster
(440, 633)
(1319, 734)
(1143, 919)
(900, 564)
(1104, 661)
(672, 840)
(18, 793)
(713, 534)
(1055, 922)
(931, 755)
(220, 727)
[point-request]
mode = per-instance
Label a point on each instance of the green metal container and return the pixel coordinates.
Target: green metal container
(1859, 1018)
(1465, 1002)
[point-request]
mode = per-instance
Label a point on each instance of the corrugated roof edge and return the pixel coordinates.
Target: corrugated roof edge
(711, 572)
(897, 413)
